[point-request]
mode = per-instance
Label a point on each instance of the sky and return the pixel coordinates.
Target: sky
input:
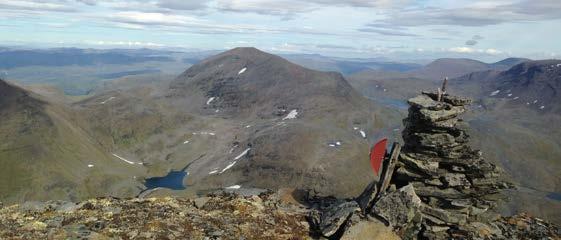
(393, 29)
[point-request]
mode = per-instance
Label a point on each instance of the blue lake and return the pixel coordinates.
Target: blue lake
(391, 102)
(396, 103)
(554, 196)
(174, 181)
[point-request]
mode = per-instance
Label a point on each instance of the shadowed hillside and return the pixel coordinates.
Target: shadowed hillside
(45, 155)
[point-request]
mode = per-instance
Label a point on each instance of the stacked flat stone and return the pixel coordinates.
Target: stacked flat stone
(456, 185)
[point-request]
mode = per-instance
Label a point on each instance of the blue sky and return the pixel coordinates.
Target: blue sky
(399, 29)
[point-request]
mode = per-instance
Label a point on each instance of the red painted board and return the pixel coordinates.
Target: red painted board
(377, 155)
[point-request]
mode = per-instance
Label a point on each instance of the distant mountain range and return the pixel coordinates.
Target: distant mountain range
(456, 67)
(407, 84)
(79, 71)
(348, 66)
(73, 56)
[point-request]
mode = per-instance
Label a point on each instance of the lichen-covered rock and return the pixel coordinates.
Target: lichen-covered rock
(371, 230)
(525, 227)
(398, 208)
(332, 219)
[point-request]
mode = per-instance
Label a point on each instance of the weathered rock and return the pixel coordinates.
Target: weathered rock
(426, 167)
(408, 174)
(442, 115)
(447, 216)
(424, 101)
(331, 219)
(373, 230)
(336, 217)
(440, 126)
(200, 202)
(432, 191)
(433, 182)
(454, 100)
(398, 208)
(455, 179)
(524, 227)
(481, 230)
(437, 140)
(366, 198)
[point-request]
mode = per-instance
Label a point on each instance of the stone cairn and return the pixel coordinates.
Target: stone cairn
(457, 187)
(434, 187)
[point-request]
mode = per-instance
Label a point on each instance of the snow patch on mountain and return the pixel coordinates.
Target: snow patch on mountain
(291, 115)
(125, 160)
(242, 71)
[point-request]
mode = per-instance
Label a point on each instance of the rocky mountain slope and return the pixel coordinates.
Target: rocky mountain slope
(450, 67)
(45, 154)
(534, 84)
(243, 117)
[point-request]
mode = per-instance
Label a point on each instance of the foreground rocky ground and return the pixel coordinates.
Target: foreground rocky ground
(225, 216)
(220, 216)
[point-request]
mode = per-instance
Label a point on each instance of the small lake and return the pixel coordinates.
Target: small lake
(391, 102)
(174, 181)
(554, 196)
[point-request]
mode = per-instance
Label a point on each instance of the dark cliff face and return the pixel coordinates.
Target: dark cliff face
(44, 152)
(10, 95)
(534, 84)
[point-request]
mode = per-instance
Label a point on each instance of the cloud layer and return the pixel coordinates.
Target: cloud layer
(327, 26)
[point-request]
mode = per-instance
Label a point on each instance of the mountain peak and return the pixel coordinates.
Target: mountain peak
(283, 106)
(246, 53)
(247, 78)
(244, 50)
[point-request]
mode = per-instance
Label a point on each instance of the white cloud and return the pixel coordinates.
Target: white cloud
(123, 43)
(461, 49)
(151, 18)
(493, 51)
(490, 51)
(290, 7)
(479, 13)
(35, 6)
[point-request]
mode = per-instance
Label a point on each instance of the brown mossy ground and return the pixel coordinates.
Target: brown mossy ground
(224, 216)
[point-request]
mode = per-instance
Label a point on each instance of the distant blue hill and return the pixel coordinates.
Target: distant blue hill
(72, 56)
